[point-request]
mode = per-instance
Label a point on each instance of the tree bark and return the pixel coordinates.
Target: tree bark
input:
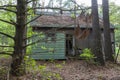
(17, 66)
(107, 37)
(97, 46)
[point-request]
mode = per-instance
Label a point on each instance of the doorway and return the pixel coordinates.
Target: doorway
(70, 45)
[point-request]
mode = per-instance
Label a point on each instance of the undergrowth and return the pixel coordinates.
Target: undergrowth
(87, 55)
(40, 70)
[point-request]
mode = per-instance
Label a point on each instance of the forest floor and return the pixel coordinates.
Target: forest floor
(73, 70)
(70, 70)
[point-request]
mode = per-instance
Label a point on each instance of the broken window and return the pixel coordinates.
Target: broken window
(50, 37)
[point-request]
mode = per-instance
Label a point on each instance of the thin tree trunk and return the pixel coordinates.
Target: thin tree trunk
(97, 46)
(107, 37)
(17, 66)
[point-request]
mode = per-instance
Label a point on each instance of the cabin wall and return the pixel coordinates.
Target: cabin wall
(56, 49)
(84, 43)
(88, 41)
(49, 49)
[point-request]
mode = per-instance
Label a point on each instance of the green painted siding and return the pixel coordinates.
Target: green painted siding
(49, 49)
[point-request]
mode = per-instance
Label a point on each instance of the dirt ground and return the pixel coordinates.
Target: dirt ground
(81, 70)
(72, 70)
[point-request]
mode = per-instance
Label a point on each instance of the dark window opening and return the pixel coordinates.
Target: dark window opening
(50, 37)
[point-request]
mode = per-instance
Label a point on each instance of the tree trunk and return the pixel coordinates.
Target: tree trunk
(97, 46)
(107, 37)
(17, 66)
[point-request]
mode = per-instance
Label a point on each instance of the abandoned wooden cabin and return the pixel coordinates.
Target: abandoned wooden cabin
(62, 36)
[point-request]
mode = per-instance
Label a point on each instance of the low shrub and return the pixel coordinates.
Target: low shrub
(87, 55)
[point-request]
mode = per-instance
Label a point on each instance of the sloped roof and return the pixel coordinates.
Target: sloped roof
(65, 21)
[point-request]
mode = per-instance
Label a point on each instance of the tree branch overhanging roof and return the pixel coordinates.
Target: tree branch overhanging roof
(62, 20)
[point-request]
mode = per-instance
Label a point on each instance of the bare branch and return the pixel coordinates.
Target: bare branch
(43, 40)
(12, 23)
(44, 8)
(33, 19)
(7, 53)
(33, 43)
(8, 10)
(6, 35)
(50, 30)
(29, 2)
(6, 46)
(31, 37)
(8, 6)
(77, 4)
(58, 8)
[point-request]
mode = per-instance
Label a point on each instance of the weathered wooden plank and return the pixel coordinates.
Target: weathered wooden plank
(48, 56)
(43, 50)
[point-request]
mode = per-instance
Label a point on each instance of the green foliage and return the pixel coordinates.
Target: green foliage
(63, 62)
(52, 60)
(29, 50)
(3, 73)
(115, 20)
(51, 76)
(114, 56)
(7, 28)
(4, 66)
(59, 66)
(33, 68)
(87, 55)
(73, 16)
(4, 56)
(30, 63)
(114, 13)
(117, 36)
